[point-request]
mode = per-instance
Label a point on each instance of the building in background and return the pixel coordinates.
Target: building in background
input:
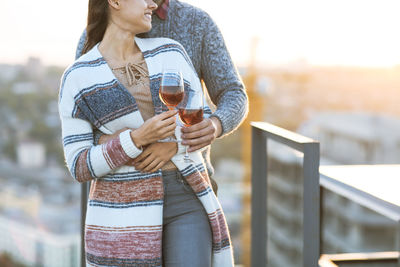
(39, 215)
(229, 176)
(34, 246)
(355, 138)
(346, 138)
(31, 154)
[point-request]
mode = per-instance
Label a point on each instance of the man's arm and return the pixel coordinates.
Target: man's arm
(224, 86)
(222, 80)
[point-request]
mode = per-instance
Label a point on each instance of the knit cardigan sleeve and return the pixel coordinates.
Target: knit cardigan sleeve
(85, 160)
(221, 78)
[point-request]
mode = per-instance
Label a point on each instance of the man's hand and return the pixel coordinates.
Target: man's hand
(155, 156)
(201, 134)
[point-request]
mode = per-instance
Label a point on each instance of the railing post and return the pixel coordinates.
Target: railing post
(321, 220)
(311, 208)
(84, 199)
(258, 198)
(398, 242)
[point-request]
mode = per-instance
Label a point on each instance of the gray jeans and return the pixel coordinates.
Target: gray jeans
(187, 237)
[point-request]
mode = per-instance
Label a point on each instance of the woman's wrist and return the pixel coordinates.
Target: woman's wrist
(137, 139)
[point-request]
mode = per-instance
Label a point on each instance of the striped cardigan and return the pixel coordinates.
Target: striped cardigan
(124, 212)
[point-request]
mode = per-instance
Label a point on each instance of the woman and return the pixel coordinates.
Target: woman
(167, 214)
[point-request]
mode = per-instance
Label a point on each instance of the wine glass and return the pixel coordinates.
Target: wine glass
(171, 92)
(191, 111)
(171, 88)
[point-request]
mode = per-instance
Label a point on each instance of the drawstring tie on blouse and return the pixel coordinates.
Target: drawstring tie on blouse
(135, 72)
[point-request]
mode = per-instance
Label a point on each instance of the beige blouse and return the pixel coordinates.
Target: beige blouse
(135, 77)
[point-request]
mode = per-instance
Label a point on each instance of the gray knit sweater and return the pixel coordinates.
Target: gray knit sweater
(204, 43)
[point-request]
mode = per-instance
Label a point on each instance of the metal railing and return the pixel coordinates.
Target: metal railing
(332, 260)
(261, 132)
(363, 196)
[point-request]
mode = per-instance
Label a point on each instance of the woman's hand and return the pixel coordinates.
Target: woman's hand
(154, 129)
(155, 156)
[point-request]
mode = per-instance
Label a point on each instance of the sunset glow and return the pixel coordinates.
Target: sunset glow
(341, 32)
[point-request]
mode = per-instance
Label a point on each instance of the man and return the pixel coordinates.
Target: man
(203, 41)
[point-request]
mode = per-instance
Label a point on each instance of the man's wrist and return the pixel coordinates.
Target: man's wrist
(217, 125)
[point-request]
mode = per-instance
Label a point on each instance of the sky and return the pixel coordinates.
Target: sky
(321, 32)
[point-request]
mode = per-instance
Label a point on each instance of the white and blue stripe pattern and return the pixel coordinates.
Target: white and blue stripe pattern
(169, 47)
(126, 206)
(126, 176)
(96, 203)
(91, 63)
(77, 138)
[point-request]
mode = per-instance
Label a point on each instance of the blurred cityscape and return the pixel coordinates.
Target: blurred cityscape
(352, 111)
(39, 210)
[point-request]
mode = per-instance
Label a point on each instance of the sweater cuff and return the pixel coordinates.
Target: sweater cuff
(128, 145)
(224, 120)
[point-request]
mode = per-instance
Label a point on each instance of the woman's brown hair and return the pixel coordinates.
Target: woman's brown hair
(97, 22)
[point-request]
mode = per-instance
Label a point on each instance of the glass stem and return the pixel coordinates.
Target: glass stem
(186, 152)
